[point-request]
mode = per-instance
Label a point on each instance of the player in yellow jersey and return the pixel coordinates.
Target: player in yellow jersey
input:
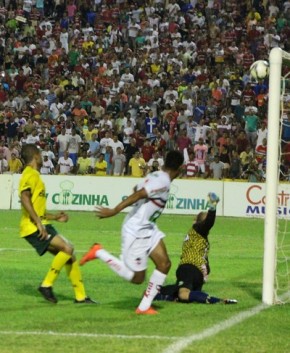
(193, 268)
(35, 227)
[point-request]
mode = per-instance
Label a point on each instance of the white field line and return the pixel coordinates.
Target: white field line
(176, 347)
(87, 335)
(184, 342)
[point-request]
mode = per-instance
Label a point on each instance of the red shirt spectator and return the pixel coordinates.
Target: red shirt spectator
(147, 150)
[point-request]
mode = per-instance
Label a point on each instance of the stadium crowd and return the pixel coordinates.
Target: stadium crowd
(106, 87)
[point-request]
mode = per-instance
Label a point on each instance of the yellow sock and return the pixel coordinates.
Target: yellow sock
(57, 264)
(75, 276)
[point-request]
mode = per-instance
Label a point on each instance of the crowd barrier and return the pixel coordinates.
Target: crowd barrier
(187, 196)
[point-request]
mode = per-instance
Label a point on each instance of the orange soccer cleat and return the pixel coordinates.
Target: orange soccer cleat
(91, 254)
(149, 311)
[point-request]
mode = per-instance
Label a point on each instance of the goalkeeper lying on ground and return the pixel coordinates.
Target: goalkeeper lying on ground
(194, 267)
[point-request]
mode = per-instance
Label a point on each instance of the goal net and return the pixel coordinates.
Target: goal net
(276, 268)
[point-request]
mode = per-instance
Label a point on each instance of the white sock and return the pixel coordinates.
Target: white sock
(115, 264)
(156, 280)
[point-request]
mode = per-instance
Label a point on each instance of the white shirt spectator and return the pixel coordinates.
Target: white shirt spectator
(47, 166)
(63, 38)
(105, 141)
(55, 109)
(62, 141)
(168, 92)
(133, 29)
(65, 165)
(127, 77)
(32, 139)
(27, 70)
(74, 143)
(3, 165)
(42, 101)
(115, 145)
(159, 160)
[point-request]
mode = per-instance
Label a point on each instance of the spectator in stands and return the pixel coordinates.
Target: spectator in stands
(130, 151)
(155, 163)
(137, 166)
(84, 164)
(200, 151)
(235, 167)
(252, 121)
(74, 145)
(3, 163)
(14, 164)
(183, 141)
(216, 168)
(47, 165)
(65, 164)
(191, 166)
(101, 165)
(118, 163)
(62, 142)
(75, 74)
(225, 158)
(147, 150)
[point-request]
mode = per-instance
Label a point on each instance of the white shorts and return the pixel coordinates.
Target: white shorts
(137, 246)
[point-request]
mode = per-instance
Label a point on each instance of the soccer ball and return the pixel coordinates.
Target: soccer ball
(259, 69)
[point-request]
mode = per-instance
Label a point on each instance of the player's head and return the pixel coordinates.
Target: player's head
(30, 153)
(173, 160)
(173, 163)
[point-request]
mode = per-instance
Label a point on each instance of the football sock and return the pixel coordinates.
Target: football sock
(115, 264)
(57, 264)
(165, 297)
(202, 297)
(156, 280)
(74, 274)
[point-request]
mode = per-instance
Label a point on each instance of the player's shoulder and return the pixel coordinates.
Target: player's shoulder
(29, 176)
(159, 177)
(29, 172)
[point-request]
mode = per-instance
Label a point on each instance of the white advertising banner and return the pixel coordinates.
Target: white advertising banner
(187, 196)
(5, 191)
(84, 193)
(248, 199)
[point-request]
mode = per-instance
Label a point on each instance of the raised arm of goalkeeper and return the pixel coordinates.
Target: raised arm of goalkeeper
(205, 220)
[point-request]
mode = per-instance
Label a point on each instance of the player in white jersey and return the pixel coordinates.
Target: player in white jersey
(141, 238)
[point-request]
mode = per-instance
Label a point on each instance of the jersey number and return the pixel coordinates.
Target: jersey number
(155, 215)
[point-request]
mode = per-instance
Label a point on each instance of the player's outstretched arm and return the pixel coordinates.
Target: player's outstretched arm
(104, 212)
(60, 216)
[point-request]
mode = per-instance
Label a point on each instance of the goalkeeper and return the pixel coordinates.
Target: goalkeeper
(193, 268)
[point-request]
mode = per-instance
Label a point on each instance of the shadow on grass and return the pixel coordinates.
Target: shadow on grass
(129, 304)
(254, 290)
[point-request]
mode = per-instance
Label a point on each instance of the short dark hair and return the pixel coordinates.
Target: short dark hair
(28, 152)
(173, 160)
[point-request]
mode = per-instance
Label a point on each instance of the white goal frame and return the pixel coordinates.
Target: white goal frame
(272, 173)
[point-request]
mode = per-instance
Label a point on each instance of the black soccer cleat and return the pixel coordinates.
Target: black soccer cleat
(230, 301)
(47, 294)
(87, 300)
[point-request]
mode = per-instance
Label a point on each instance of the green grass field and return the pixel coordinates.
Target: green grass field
(29, 324)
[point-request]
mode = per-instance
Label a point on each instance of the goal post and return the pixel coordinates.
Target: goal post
(276, 58)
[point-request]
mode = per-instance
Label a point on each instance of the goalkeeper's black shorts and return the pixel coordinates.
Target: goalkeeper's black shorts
(189, 276)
